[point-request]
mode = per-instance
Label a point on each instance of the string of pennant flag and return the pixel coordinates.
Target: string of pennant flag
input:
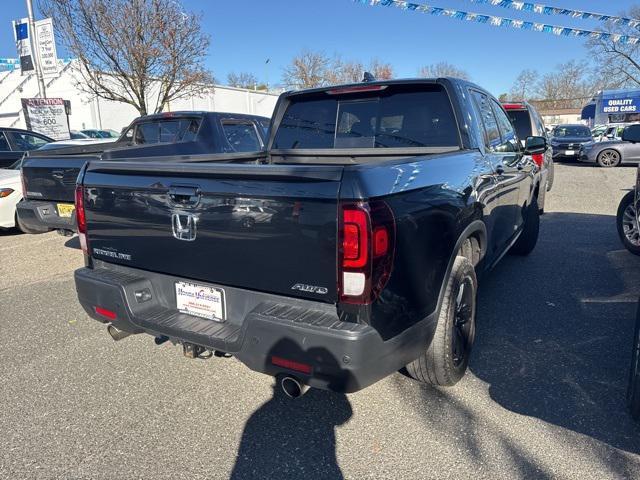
(568, 12)
(505, 22)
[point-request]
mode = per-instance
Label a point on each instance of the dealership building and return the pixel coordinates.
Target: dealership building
(613, 106)
(89, 112)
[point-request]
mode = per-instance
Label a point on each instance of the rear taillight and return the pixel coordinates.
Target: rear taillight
(81, 219)
(538, 159)
(367, 241)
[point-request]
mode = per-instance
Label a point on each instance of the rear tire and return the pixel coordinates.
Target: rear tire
(627, 224)
(633, 394)
(550, 176)
(530, 232)
(446, 358)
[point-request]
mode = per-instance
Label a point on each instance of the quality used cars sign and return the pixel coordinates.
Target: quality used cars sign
(628, 103)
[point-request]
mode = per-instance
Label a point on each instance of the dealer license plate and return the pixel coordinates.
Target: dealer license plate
(65, 209)
(201, 301)
(570, 152)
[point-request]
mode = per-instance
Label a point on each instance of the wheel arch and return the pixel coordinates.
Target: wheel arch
(476, 229)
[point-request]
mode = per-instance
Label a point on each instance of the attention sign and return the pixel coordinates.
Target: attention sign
(47, 116)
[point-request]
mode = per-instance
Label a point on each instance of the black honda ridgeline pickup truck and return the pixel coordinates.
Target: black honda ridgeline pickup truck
(345, 251)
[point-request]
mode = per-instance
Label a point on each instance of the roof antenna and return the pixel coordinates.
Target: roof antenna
(368, 77)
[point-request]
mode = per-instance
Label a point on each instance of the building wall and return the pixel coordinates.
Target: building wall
(91, 112)
(555, 119)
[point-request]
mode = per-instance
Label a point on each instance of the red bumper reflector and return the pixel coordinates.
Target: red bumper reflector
(291, 365)
(105, 313)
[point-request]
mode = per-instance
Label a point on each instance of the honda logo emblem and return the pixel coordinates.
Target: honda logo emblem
(184, 226)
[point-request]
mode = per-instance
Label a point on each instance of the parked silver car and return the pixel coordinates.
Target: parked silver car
(614, 152)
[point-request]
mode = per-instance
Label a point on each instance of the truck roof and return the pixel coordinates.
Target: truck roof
(361, 86)
(193, 113)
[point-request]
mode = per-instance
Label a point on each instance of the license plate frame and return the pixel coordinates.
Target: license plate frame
(200, 300)
(65, 210)
(569, 152)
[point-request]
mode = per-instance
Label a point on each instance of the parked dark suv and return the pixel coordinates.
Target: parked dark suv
(566, 141)
(527, 121)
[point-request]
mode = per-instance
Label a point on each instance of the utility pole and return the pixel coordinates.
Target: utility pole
(34, 54)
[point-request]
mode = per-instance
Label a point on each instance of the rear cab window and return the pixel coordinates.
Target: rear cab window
(166, 131)
(241, 135)
(394, 116)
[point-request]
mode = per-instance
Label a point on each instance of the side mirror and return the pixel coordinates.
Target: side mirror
(535, 145)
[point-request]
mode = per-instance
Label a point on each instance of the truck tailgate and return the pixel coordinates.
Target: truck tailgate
(52, 177)
(270, 228)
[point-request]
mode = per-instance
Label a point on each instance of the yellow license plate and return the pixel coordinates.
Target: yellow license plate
(65, 209)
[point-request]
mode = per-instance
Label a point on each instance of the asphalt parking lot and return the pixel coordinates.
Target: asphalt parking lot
(544, 397)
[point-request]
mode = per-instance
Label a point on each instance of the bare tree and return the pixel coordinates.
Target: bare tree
(381, 70)
(242, 80)
(307, 70)
(344, 72)
(443, 69)
(129, 49)
(618, 62)
(569, 86)
(315, 69)
(525, 86)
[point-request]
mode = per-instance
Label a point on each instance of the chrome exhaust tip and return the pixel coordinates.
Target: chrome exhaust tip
(116, 333)
(292, 387)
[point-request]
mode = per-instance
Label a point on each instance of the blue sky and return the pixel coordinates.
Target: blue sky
(245, 33)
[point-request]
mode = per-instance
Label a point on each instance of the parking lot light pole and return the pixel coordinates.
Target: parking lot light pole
(34, 54)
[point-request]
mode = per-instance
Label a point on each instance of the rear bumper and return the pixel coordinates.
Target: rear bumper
(42, 216)
(343, 356)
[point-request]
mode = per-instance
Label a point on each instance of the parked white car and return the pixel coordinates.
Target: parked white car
(10, 195)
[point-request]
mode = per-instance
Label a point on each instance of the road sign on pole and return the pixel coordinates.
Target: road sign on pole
(21, 34)
(46, 48)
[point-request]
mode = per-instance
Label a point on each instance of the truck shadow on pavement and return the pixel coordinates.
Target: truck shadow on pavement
(293, 438)
(555, 329)
(554, 341)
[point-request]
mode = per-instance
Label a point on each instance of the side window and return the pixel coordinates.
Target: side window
(509, 138)
(633, 133)
(26, 141)
(146, 133)
(127, 135)
(242, 136)
(4, 144)
(492, 133)
(542, 131)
